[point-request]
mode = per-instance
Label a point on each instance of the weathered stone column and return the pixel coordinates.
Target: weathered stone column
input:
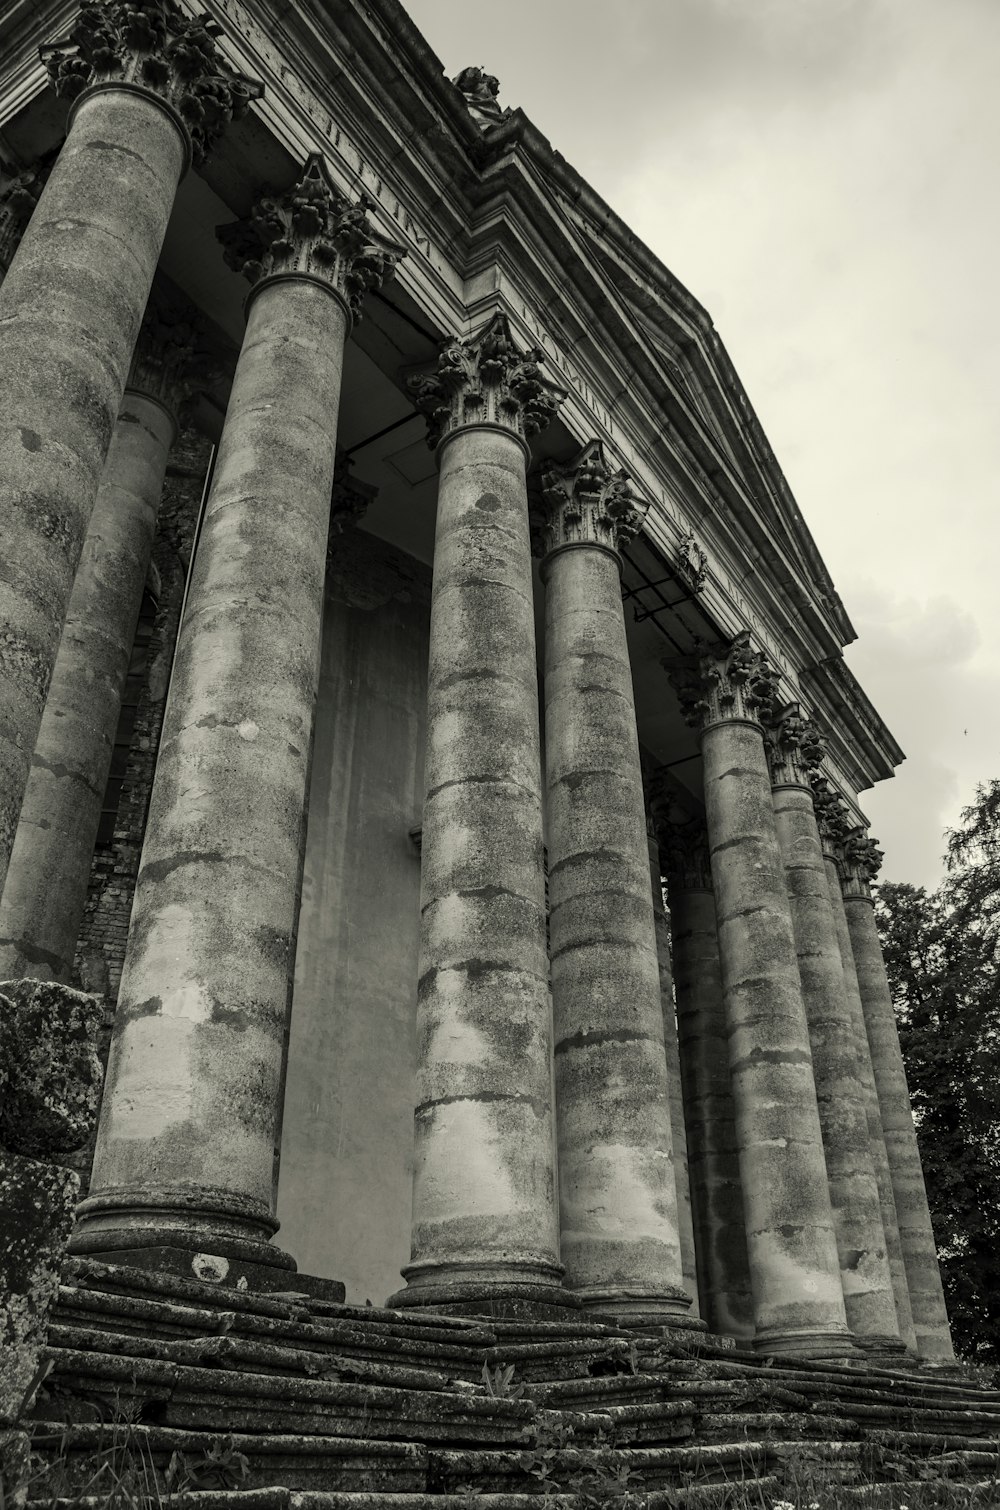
(675, 1087)
(862, 860)
(795, 749)
(617, 1196)
(832, 828)
(186, 1147)
(798, 1303)
(484, 1215)
(713, 1154)
(70, 308)
(46, 890)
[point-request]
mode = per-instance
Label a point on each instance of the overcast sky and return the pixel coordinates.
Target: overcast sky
(823, 176)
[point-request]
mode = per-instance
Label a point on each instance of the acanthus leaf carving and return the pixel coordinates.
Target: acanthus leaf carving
(314, 229)
(586, 502)
(349, 500)
(485, 380)
(153, 44)
(730, 682)
(794, 747)
(171, 361)
(861, 861)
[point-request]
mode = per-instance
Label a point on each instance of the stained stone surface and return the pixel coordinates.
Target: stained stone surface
(46, 889)
(50, 1080)
(798, 1304)
(854, 1195)
(70, 308)
(185, 1151)
(484, 1199)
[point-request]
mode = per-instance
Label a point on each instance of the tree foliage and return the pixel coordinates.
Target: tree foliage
(942, 955)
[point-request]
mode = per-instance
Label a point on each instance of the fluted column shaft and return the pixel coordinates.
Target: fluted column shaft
(713, 1154)
(916, 1234)
(484, 1204)
(675, 1085)
(876, 1137)
(798, 1303)
(186, 1149)
(854, 1196)
(46, 890)
(618, 1200)
(70, 308)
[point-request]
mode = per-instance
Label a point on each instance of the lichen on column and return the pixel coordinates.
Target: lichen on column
(791, 1243)
(861, 861)
(186, 1148)
(484, 1212)
(149, 92)
(46, 889)
(618, 1199)
(795, 750)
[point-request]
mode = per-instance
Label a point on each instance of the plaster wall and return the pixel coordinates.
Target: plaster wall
(346, 1158)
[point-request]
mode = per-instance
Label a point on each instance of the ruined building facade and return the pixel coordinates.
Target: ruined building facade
(423, 714)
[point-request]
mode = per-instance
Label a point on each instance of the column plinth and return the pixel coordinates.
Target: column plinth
(70, 309)
(861, 860)
(791, 1244)
(187, 1146)
(713, 1154)
(46, 890)
(484, 1216)
(795, 750)
(618, 1199)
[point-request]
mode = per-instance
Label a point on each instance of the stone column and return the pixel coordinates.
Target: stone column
(70, 309)
(930, 1317)
(617, 1196)
(832, 829)
(713, 1153)
(186, 1146)
(798, 1303)
(675, 1089)
(46, 890)
(484, 1215)
(795, 749)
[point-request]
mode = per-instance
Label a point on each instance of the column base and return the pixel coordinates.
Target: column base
(215, 1223)
(640, 1310)
(227, 1272)
(526, 1290)
(816, 1346)
(882, 1348)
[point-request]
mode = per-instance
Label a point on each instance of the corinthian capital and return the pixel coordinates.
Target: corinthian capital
(312, 229)
(586, 503)
(734, 682)
(794, 747)
(485, 381)
(170, 362)
(861, 861)
(154, 45)
(684, 855)
(349, 500)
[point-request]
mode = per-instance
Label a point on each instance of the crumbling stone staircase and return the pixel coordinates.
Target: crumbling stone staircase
(233, 1399)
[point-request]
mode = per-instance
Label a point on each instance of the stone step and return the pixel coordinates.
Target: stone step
(221, 1400)
(251, 1461)
(694, 1497)
(568, 1358)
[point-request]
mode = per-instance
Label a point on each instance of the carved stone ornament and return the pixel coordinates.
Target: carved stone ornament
(485, 380)
(684, 855)
(861, 861)
(19, 193)
(586, 502)
(831, 817)
(692, 563)
(732, 682)
(155, 45)
(169, 362)
(794, 747)
(480, 90)
(312, 228)
(349, 502)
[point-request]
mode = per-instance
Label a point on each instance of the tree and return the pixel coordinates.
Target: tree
(942, 955)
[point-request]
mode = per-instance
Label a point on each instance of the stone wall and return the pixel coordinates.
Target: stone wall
(346, 1161)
